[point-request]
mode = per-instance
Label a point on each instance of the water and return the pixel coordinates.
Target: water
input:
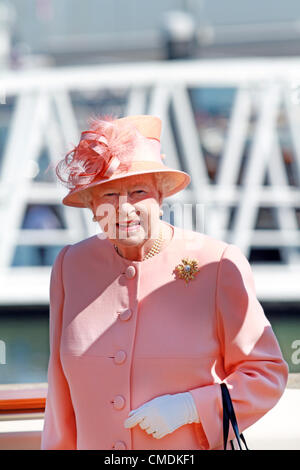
(285, 321)
(26, 336)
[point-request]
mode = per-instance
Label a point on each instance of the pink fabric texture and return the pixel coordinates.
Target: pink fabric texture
(120, 337)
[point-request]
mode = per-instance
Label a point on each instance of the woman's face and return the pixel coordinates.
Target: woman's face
(134, 199)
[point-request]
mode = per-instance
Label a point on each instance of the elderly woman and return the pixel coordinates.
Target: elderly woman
(147, 319)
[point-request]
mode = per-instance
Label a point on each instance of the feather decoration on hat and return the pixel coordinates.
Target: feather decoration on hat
(103, 148)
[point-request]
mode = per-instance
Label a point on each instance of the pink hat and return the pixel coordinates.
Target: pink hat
(113, 149)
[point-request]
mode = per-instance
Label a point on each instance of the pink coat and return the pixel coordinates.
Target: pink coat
(124, 332)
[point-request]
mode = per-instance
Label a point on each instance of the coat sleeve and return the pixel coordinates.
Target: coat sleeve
(255, 372)
(59, 430)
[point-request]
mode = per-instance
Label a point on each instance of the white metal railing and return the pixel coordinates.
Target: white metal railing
(23, 432)
(44, 114)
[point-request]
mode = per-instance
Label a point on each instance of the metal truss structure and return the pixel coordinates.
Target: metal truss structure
(44, 116)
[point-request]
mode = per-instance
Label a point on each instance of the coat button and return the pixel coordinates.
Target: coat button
(120, 445)
(120, 357)
(119, 402)
(126, 314)
(130, 272)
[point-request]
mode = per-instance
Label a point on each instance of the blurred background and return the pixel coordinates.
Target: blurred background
(225, 79)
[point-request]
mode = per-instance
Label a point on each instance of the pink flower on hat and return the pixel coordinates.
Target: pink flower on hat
(102, 149)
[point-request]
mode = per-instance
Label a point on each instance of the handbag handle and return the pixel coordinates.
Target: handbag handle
(229, 417)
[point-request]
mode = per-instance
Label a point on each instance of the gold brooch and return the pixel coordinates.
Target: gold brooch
(187, 269)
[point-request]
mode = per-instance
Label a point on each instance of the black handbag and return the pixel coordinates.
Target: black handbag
(229, 417)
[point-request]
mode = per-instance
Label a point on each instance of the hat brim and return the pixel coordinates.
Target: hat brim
(176, 180)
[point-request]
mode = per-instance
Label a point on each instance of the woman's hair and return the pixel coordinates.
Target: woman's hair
(86, 198)
(162, 183)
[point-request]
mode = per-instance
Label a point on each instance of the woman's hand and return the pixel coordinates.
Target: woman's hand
(164, 414)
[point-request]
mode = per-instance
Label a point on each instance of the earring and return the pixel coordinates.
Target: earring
(161, 213)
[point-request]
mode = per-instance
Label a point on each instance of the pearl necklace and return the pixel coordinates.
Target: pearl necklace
(154, 249)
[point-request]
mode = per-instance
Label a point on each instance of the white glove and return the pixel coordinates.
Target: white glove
(164, 414)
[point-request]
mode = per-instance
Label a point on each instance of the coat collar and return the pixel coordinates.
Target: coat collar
(148, 261)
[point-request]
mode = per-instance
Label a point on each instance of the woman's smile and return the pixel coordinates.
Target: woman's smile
(130, 227)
